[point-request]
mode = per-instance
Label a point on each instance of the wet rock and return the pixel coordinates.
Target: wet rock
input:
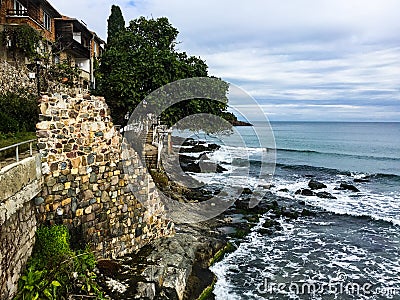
(316, 185)
(284, 190)
(247, 191)
(287, 213)
(270, 223)
(307, 213)
(305, 192)
(325, 195)
(221, 169)
(361, 180)
(349, 187)
(198, 147)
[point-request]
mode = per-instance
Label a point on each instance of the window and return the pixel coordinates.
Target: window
(77, 37)
(46, 21)
(19, 9)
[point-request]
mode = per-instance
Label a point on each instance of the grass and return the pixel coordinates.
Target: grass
(8, 139)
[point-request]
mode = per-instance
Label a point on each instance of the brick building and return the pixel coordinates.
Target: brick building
(78, 45)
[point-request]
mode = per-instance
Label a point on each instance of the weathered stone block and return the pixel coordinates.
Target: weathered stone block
(88, 194)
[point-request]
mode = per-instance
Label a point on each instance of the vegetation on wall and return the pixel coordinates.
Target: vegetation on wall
(63, 73)
(21, 38)
(55, 271)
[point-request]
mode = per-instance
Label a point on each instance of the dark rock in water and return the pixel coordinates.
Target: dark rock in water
(284, 190)
(302, 202)
(270, 223)
(221, 169)
(267, 231)
(325, 195)
(247, 191)
(191, 167)
(198, 147)
(349, 187)
(190, 164)
(270, 226)
(307, 213)
(305, 192)
(361, 180)
(289, 213)
(316, 185)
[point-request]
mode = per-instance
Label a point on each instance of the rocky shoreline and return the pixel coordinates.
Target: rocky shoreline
(177, 267)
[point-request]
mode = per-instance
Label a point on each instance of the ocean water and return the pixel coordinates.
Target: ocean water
(351, 248)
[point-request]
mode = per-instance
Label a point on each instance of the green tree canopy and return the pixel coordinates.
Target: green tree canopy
(116, 24)
(143, 58)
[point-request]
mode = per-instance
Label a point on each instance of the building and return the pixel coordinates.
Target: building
(80, 47)
(38, 14)
(75, 43)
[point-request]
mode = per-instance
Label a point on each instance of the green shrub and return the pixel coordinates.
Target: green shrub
(52, 243)
(55, 271)
(18, 112)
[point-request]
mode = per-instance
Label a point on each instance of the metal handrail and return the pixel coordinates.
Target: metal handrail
(16, 146)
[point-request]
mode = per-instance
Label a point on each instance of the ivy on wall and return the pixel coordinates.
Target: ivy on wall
(21, 38)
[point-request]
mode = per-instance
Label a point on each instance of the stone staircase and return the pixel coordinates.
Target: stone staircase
(150, 150)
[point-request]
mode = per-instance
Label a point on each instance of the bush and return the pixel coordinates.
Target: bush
(52, 245)
(55, 271)
(18, 112)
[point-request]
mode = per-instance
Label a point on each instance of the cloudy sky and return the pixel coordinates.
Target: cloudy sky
(300, 59)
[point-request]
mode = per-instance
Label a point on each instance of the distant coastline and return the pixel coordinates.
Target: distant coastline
(240, 123)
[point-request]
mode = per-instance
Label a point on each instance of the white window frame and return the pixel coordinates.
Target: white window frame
(46, 21)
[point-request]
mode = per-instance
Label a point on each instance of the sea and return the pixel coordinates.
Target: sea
(350, 248)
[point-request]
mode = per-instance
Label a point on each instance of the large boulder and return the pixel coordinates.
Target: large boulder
(349, 187)
(305, 192)
(316, 185)
(325, 195)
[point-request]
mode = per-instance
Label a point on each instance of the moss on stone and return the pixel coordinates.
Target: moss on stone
(220, 254)
(207, 291)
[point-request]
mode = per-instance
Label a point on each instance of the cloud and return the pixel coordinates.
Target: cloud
(343, 56)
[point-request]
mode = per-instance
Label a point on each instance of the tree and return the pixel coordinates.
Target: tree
(143, 58)
(116, 24)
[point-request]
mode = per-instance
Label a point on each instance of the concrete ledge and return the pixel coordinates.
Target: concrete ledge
(19, 183)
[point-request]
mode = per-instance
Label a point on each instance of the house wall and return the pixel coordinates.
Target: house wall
(34, 23)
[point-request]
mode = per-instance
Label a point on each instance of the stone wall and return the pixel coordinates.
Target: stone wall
(85, 186)
(19, 184)
(14, 77)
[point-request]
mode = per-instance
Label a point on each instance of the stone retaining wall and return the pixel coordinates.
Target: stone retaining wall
(85, 186)
(19, 184)
(15, 77)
